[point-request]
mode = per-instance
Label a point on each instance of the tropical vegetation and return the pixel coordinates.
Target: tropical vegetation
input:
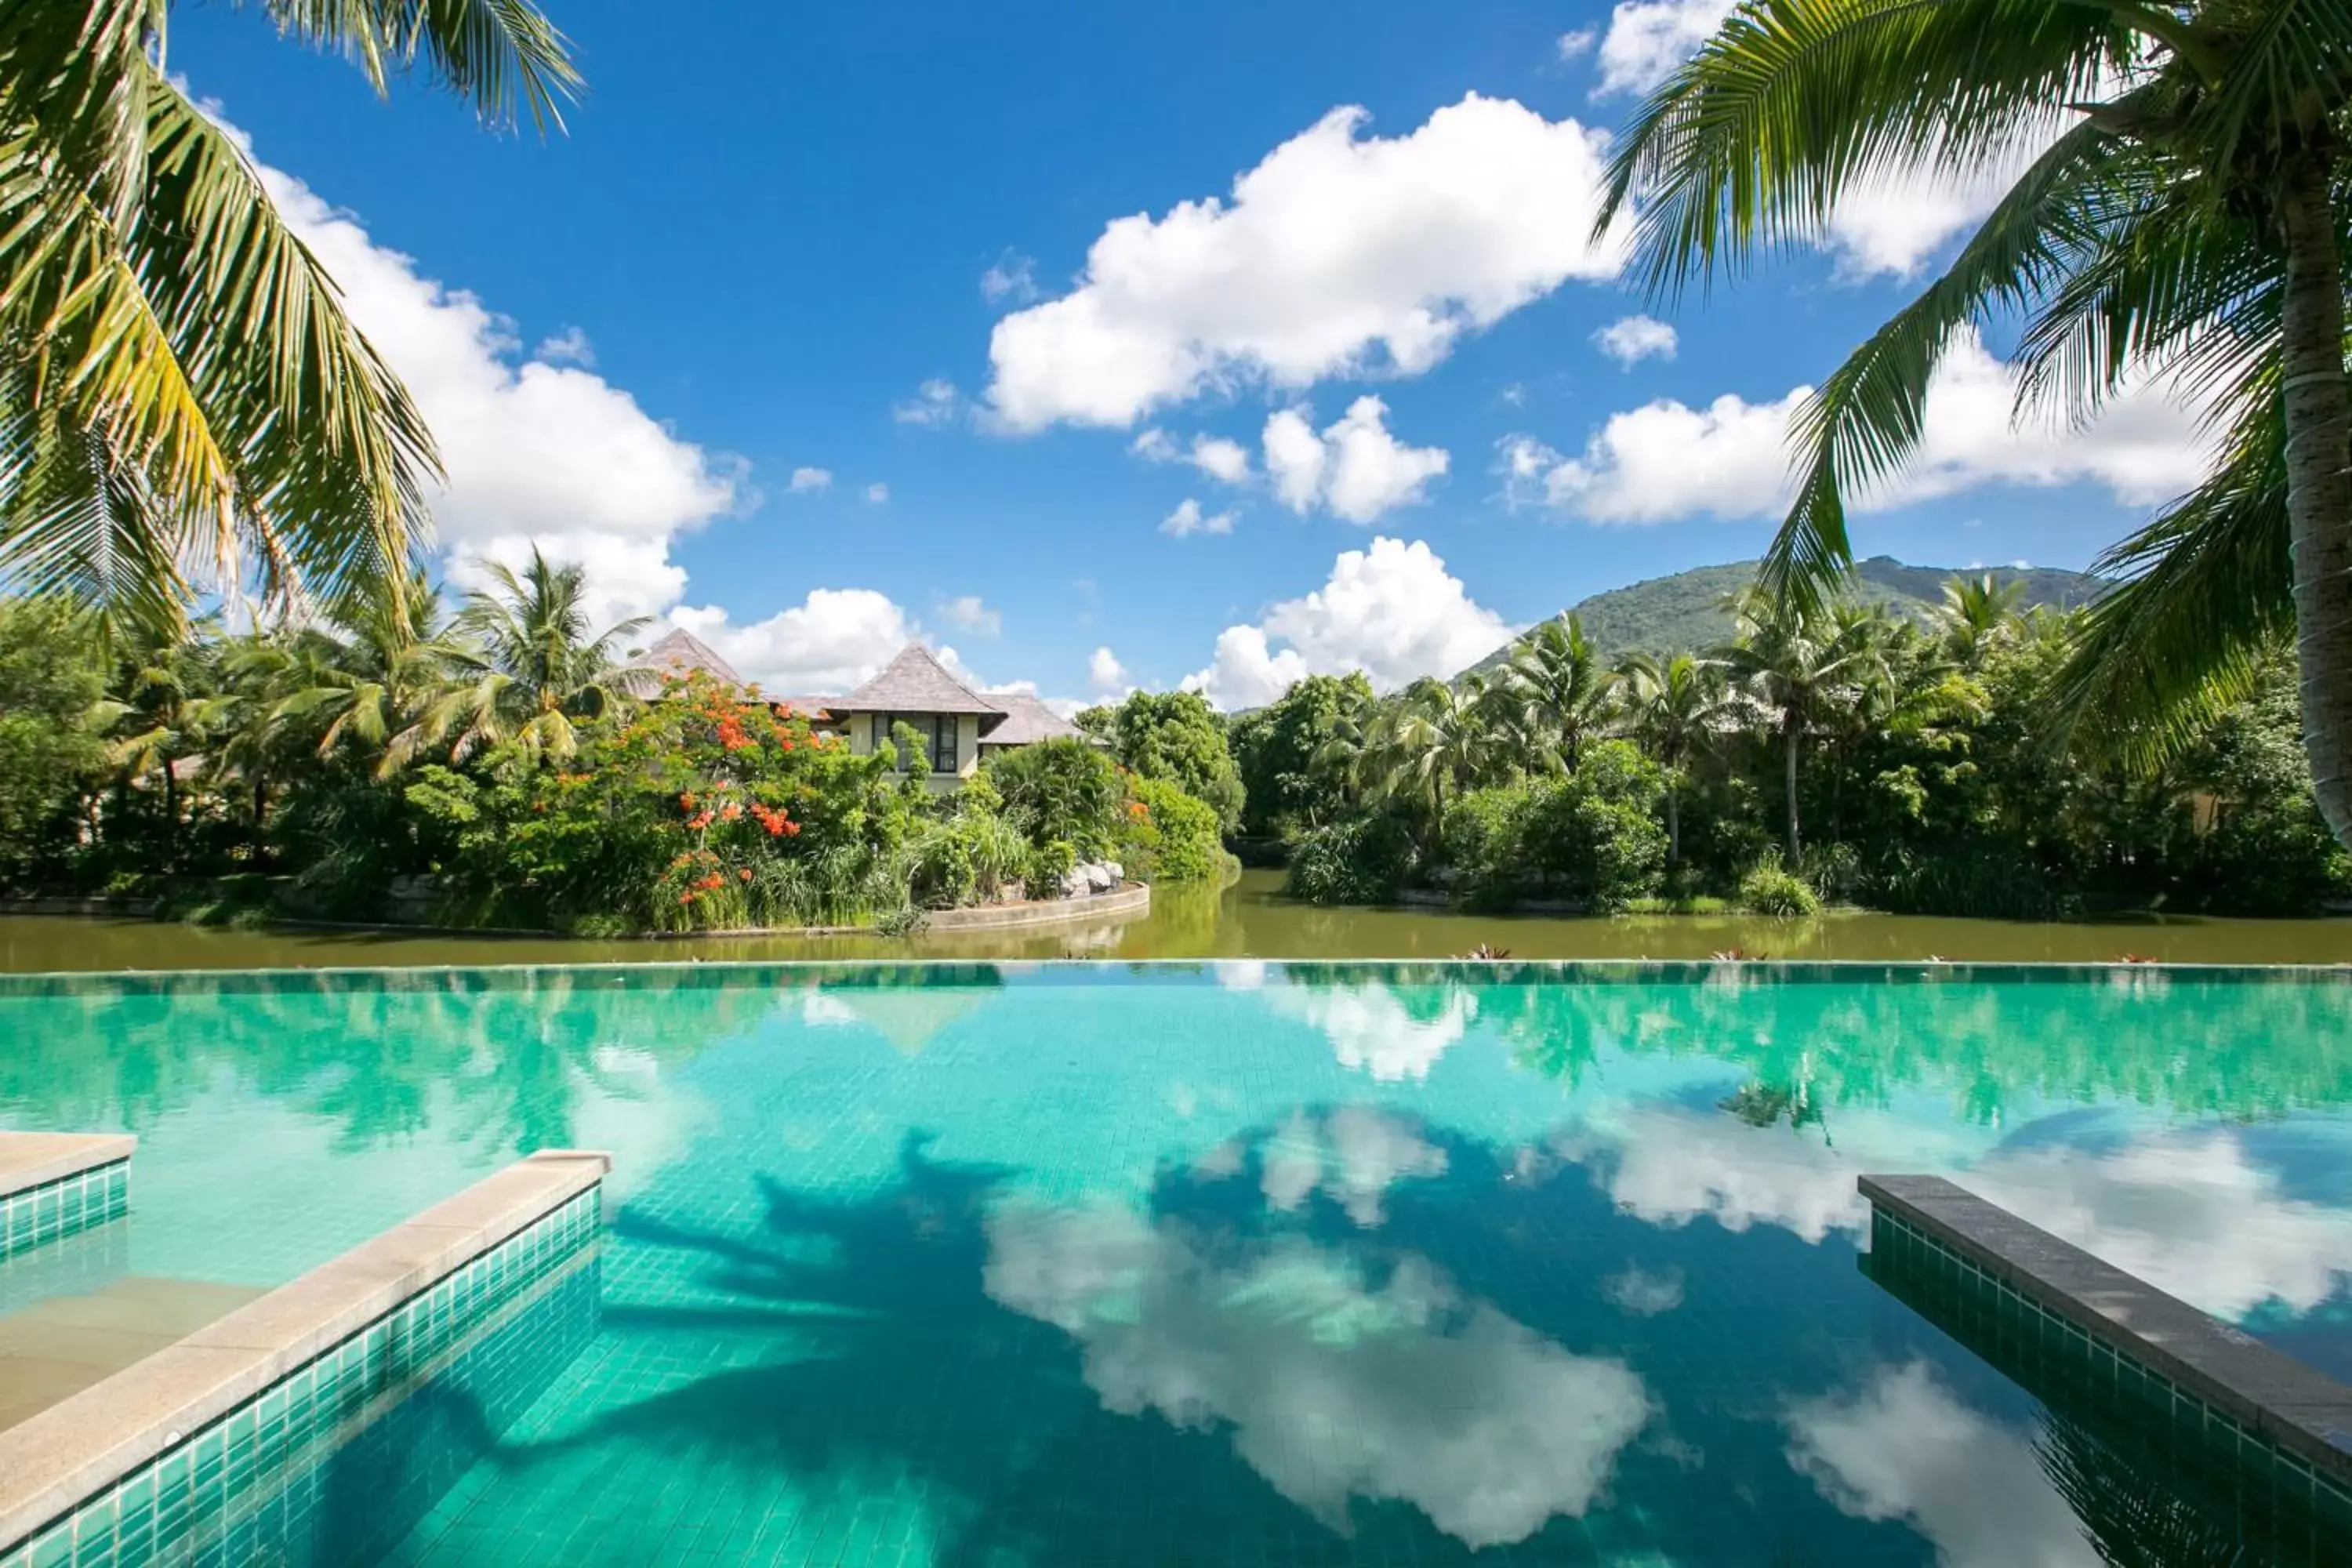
(2181, 218)
(184, 403)
(502, 766)
(1830, 753)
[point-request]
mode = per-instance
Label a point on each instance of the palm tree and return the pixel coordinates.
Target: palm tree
(1670, 708)
(2182, 220)
(1976, 613)
(1437, 735)
(536, 667)
(379, 677)
(180, 390)
(1556, 690)
(166, 715)
(1797, 662)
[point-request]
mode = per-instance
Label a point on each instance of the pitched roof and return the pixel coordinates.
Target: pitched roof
(1028, 721)
(914, 682)
(680, 655)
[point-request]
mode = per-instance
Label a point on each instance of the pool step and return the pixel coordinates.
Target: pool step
(57, 1347)
(55, 1183)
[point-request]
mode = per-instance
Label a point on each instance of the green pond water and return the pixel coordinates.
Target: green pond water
(1248, 919)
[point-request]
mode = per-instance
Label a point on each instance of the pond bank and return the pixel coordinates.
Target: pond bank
(1247, 919)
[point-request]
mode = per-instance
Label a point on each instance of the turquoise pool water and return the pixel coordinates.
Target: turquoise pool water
(1245, 1263)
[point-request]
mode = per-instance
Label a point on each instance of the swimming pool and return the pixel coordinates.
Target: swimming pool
(1244, 1262)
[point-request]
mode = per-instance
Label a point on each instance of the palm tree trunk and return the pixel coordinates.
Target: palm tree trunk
(1791, 732)
(2320, 480)
(1674, 825)
(170, 811)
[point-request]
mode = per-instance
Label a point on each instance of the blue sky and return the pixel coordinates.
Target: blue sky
(769, 228)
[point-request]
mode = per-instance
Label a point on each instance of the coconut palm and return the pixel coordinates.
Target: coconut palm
(379, 677)
(182, 396)
(1438, 735)
(1797, 663)
(1976, 612)
(2179, 219)
(535, 667)
(1556, 692)
(166, 717)
(1670, 707)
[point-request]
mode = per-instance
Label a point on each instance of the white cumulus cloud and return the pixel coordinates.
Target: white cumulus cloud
(1730, 459)
(1636, 338)
(539, 452)
(1391, 610)
(1355, 468)
(878, 493)
(827, 644)
(1338, 254)
(806, 479)
(966, 612)
(1224, 460)
(1648, 38)
(1575, 46)
(1105, 674)
(1011, 276)
(935, 403)
(1188, 519)
(570, 346)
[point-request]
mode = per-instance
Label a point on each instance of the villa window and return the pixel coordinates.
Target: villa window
(936, 731)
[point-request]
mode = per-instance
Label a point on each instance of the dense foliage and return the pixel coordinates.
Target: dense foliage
(1175, 736)
(1836, 755)
(498, 768)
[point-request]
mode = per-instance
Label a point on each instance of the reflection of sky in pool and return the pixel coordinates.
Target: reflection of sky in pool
(1347, 1264)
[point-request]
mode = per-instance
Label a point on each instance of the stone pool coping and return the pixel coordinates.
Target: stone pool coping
(2302, 1410)
(29, 1160)
(89, 1441)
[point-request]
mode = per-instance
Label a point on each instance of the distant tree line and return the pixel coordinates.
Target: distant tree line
(1834, 752)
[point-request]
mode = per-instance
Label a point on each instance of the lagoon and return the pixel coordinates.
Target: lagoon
(1249, 919)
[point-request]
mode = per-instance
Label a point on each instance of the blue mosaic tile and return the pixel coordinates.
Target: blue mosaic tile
(64, 1207)
(339, 1459)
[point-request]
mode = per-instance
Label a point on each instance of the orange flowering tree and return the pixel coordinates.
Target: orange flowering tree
(700, 810)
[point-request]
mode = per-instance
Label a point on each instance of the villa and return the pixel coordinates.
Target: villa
(960, 726)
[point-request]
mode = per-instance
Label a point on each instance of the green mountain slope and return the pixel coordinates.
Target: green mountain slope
(1669, 614)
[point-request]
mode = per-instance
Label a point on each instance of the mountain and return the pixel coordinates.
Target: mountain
(1670, 615)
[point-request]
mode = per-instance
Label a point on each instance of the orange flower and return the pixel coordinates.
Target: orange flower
(793, 828)
(745, 874)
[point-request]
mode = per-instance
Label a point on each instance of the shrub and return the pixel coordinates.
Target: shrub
(1049, 863)
(1483, 844)
(1060, 789)
(1769, 889)
(1593, 837)
(1362, 860)
(1168, 836)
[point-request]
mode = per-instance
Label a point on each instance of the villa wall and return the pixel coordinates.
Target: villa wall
(868, 731)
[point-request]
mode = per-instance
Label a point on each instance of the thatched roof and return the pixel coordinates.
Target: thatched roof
(680, 655)
(1028, 721)
(914, 682)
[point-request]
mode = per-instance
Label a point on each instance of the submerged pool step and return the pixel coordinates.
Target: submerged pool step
(285, 1429)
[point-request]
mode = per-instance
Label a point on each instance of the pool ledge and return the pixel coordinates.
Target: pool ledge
(2302, 1411)
(76, 1448)
(29, 1160)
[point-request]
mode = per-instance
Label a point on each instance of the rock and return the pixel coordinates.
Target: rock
(1075, 884)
